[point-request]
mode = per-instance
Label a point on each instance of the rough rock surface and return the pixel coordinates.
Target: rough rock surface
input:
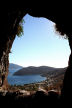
(63, 20)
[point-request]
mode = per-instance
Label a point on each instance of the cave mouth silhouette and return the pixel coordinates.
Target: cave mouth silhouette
(54, 37)
(63, 19)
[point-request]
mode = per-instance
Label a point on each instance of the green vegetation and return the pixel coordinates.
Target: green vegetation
(28, 87)
(20, 31)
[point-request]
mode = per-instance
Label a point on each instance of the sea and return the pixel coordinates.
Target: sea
(25, 79)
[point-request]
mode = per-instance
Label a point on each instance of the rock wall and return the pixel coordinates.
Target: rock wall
(9, 31)
(67, 83)
(64, 22)
(4, 61)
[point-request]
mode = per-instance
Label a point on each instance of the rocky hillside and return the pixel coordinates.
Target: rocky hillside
(42, 70)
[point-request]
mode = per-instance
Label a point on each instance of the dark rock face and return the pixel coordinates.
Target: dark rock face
(37, 100)
(4, 62)
(64, 25)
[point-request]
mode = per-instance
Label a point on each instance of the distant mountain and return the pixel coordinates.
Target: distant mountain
(42, 70)
(14, 67)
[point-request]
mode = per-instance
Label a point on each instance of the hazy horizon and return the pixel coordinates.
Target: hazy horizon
(36, 66)
(40, 45)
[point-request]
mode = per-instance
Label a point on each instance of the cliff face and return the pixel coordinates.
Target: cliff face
(4, 62)
(67, 89)
(4, 59)
(14, 16)
(9, 25)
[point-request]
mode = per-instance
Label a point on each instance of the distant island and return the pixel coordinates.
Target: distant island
(14, 67)
(42, 70)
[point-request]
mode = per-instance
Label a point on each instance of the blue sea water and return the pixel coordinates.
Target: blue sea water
(26, 79)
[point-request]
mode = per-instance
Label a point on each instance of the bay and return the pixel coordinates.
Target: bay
(26, 79)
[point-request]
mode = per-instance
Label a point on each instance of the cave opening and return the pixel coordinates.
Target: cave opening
(63, 19)
(40, 47)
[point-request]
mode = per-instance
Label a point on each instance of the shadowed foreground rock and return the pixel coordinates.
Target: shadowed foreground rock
(39, 100)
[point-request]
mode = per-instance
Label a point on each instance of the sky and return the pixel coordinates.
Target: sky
(40, 45)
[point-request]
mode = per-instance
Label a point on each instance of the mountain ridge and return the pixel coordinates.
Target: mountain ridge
(12, 65)
(42, 70)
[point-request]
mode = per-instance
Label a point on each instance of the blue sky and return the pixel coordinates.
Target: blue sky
(40, 45)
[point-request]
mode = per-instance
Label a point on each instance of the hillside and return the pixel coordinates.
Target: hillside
(55, 73)
(14, 67)
(42, 70)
